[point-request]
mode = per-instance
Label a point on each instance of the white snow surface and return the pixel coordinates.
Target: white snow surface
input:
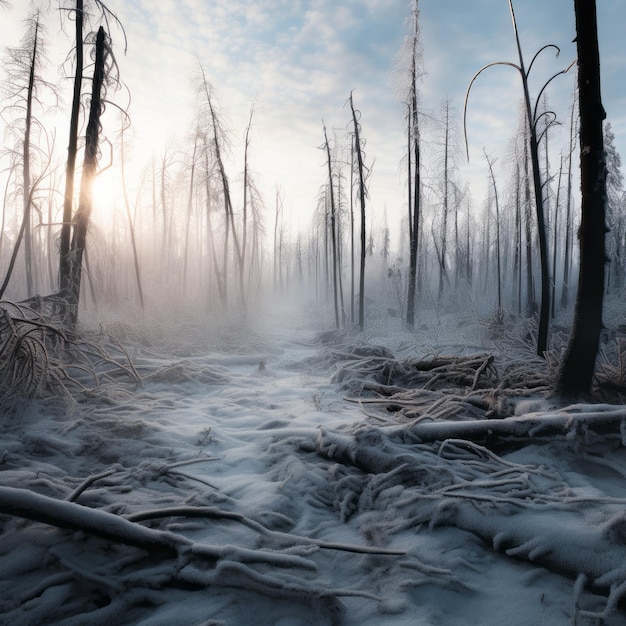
(307, 510)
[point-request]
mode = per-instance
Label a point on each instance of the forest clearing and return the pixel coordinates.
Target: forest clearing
(223, 406)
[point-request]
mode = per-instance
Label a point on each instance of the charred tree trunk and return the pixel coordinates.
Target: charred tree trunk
(70, 168)
(576, 374)
(568, 220)
(362, 193)
(333, 229)
(90, 164)
(414, 176)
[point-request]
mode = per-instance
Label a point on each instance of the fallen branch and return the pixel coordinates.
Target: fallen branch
(530, 425)
(215, 513)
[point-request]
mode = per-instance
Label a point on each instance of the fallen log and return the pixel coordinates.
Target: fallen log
(526, 426)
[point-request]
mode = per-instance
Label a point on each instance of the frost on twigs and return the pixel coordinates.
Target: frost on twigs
(529, 512)
(37, 358)
(610, 382)
(117, 578)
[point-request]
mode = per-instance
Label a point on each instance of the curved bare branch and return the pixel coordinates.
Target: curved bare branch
(469, 87)
(567, 69)
(548, 45)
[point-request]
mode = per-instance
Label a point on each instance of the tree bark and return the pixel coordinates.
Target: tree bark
(577, 368)
(414, 184)
(90, 164)
(333, 228)
(362, 193)
(66, 227)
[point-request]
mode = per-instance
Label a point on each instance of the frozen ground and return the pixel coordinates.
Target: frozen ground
(295, 497)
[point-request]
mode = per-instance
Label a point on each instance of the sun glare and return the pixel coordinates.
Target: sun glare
(107, 194)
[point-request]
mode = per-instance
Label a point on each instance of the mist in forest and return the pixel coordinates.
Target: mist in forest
(198, 224)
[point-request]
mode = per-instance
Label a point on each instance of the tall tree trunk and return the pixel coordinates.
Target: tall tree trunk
(517, 259)
(531, 305)
(362, 193)
(577, 368)
(443, 272)
(72, 149)
(192, 181)
(544, 312)
(90, 164)
(568, 219)
(555, 239)
(219, 277)
(131, 223)
(277, 267)
(414, 186)
(498, 259)
(26, 182)
(352, 294)
(25, 231)
(333, 229)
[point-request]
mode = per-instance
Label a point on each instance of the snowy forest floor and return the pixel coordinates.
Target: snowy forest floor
(283, 474)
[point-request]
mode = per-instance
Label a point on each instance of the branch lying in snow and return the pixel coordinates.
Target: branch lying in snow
(212, 512)
(64, 514)
(529, 425)
(190, 563)
(526, 511)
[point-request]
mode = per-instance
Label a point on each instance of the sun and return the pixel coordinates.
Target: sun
(107, 195)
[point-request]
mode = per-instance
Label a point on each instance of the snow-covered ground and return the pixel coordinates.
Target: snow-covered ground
(293, 501)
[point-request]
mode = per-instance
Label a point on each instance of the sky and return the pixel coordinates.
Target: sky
(298, 61)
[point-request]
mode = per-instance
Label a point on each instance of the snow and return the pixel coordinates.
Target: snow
(248, 479)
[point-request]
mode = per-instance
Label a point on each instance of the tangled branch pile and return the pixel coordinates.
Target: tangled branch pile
(38, 358)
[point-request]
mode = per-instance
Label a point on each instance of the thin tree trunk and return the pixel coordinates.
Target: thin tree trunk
(530, 282)
(219, 278)
(131, 224)
(192, 181)
(498, 259)
(333, 229)
(568, 219)
(544, 313)
(555, 230)
(443, 272)
(362, 193)
(70, 168)
(352, 294)
(26, 182)
(414, 202)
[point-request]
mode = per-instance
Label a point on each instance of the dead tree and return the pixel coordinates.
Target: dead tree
(82, 217)
(72, 150)
(362, 194)
(333, 228)
(577, 367)
(532, 119)
(413, 169)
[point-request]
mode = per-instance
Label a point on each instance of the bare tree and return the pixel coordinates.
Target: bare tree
(23, 84)
(229, 216)
(125, 122)
(492, 177)
(333, 228)
(532, 119)
(82, 216)
(413, 165)
(76, 11)
(362, 195)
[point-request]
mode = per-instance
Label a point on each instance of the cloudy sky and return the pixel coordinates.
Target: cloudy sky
(298, 60)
